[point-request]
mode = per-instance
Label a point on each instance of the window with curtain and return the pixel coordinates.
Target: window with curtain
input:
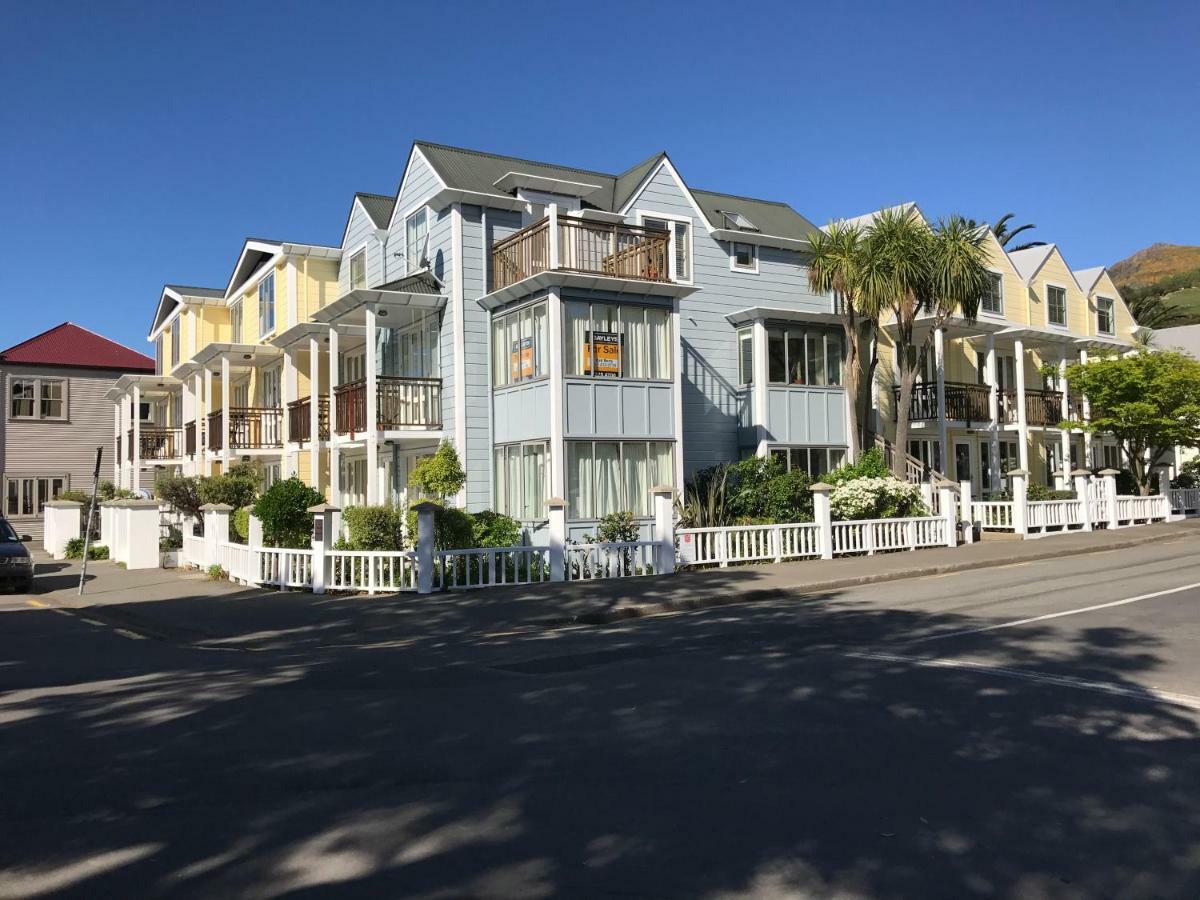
(1056, 305)
(1104, 314)
(409, 352)
(680, 243)
(28, 496)
(358, 270)
(610, 340)
(804, 355)
(416, 229)
(21, 402)
(816, 461)
(522, 480)
(605, 477)
(745, 337)
(37, 398)
(266, 305)
(520, 345)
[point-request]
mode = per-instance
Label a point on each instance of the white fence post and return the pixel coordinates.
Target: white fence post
(141, 552)
(967, 513)
(1083, 485)
(1020, 494)
(556, 508)
(61, 524)
(927, 494)
(1109, 484)
(254, 533)
(216, 530)
(322, 541)
(946, 490)
(425, 514)
(664, 528)
(823, 516)
(1164, 482)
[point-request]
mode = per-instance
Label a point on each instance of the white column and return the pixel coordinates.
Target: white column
(949, 502)
(372, 362)
(314, 411)
(117, 446)
(558, 449)
(664, 528)
(1089, 454)
(556, 509)
(1022, 424)
(758, 390)
(225, 448)
(677, 369)
(425, 514)
(136, 454)
(1083, 479)
(323, 537)
(206, 456)
(335, 476)
(555, 249)
(966, 511)
(823, 517)
(287, 393)
(1108, 481)
(939, 359)
(1065, 436)
(1020, 494)
(994, 413)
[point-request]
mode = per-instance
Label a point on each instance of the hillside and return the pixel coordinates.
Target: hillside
(1156, 262)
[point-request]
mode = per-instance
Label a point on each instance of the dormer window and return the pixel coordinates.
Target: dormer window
(358, 270)
(266, 305)
(737, 221)
(743, 258)
(1056, 305)
(992, 300)
(1104, 315)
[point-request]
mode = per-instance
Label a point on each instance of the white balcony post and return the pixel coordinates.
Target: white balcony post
(314, 407)
(1065, 435)
(335, 462)
(994, 414)
(939, 360)
(225, 448)
(1083, 493)
(758, 389)
(372, 425)
(206, 454)
(1020, 493)
(966, 511)
(556, 508)
(117, 443)
(323, 537)
(555, 249)
(823, 516)
(425, 513)
(1022, 422)
(216, 530)
(664, 527)
(1108, 482)
(136, 451)
(949, 506)
(287, 393)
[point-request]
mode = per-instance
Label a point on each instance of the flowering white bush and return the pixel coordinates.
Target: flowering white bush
(876, 498)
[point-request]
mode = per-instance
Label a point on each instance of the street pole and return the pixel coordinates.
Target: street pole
(87, 530)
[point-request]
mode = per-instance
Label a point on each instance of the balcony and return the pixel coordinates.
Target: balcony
(1044, 408)
(300, 420)
(189, 438)
(964, 402)
(158, 443)
(250, 428)
(582, 247)
(400, 402)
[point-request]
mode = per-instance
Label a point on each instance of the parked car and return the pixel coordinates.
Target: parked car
(16, 565)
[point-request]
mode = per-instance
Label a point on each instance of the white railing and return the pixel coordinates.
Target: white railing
(238, 561)
(193, 550)
(873, 535)
(748, 543)
(615, 559)
(1142, 509)
(993, 515)
(1098, 510)
(373, 571)
(283, 567)
(490, 566)
(1043, 514)
(1185, 500)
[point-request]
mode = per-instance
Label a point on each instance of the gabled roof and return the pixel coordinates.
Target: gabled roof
(627, 182)
(378, 207)
(1087, 278)
(868, 219)
(69, 344)
(768, 216)
(1027, 262)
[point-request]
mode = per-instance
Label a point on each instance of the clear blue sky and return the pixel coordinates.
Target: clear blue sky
(140, 142)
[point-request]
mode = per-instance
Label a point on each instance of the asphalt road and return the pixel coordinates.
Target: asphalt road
(1025, 732)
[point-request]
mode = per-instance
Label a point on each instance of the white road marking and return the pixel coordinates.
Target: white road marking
(1104, 687)
(1057, 615)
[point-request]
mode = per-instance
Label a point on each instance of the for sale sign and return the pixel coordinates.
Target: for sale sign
(602, 354)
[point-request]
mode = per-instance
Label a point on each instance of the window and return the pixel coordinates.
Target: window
(28, 495)
(816, 461)
(681, 238)
(738, 221)
(993, 295)
(158, 355)
(745, 338)
(358, 269)
(798, 355)
(37, 398)
(520, 340)
(1104, 315)
(354, 481)
(235, 323)
(1112, 456)
(410, 352)
(744, 258)
(610, 340)
(522, 480)
(416, 230)
(266, 305)
(270, 475)
(175, 329)
(613, 476)
(1056, 305)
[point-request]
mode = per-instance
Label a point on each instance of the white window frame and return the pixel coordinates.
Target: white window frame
(733, 263)
(412, 261)
(745, 334)
(621, 444)
(38, 501)
(786, 450)
(541, 354)
(991, 312)
(672, 219)
(500, 473)
(176, 342)
(36, 381)
(1112, 315)
(591, 305)
(263, 330)
(362, 248)
(1066, 315)
(235, 314)
(826, 332)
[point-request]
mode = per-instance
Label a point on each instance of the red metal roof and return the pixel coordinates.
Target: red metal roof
(70, 345)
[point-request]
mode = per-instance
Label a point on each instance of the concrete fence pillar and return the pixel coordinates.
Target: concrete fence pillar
(1164, 481)
(556, 509)
(324, 534)
(142, 529)
(1108, 485)
(823, 517)
(61, 524)
(254, 532)
(927, 491)
(947, 491)
(216, 530)
(1083, 492)
(1020, 496)
(425, 526)
(967, 511)
(664, 528)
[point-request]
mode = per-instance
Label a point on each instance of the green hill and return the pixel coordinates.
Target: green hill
(1166, 272)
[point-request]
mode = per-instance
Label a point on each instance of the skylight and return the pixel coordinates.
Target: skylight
(738, 221)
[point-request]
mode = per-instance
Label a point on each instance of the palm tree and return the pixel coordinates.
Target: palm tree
(837, 267)
(1151, 310)
(920, 276)
(1005, 235)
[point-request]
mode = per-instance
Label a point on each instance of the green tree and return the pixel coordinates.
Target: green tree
(181, 493)
(283, 511)
(237, 487)
(440, 475)
(1150, 402)
(920, 277)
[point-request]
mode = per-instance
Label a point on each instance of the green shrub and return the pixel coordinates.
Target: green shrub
(216, 573)
(74, 550)
(440, 475)
(180, 493)
(239, 525)
(77, 497)
(1039, 492)
(493, 529)
(1127, 485)
(757, 490)
(374, 528)
(109, 491)
(173, 540)
(618, 527)
(1189, 475)
(283, 510)
(238, 487)
(876, 498)
(870, 465)
(453, 529)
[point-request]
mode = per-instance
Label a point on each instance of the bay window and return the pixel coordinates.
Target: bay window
(745, 337)
(605, 477)
(522, 480)
(804, 355)
(520, 344)
(266, 305)
(611, 340)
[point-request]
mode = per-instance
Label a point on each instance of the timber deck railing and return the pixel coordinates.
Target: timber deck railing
(400, 403)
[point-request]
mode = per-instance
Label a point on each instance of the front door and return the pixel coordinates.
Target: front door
(962, 460)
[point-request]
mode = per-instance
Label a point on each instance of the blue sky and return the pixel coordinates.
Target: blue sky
(142, 141)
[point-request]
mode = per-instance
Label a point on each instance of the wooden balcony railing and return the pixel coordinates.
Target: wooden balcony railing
(1043, 408)
(619, 251)
(964, 402)
(189, 438)
(250, 428)
(156, 442)
(401, 403)
(300, 420)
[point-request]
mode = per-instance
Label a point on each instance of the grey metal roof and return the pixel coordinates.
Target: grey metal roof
(378, 207)
(627, 182)
(1087, 278)
(189, 291)
(417, 283)
(768, 216)
(1029, 260)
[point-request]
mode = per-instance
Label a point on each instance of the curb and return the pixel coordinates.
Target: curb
(759, 595)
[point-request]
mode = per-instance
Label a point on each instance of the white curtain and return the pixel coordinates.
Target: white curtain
(576, 336)
(608, 478)
(633, 325)
(500, 500)
(512, 472)
(534, 484)
(661, 470)
(658, 329)
(579, 480)
(541, 326)
(637, 479)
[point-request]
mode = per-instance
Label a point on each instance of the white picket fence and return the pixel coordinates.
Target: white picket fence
(1051, 516)
(993, 515)
(490, 566)
(616, 559)
(875, 535)
(370, 571)
(1185, 501)
(748, 543)
(1063, 514)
